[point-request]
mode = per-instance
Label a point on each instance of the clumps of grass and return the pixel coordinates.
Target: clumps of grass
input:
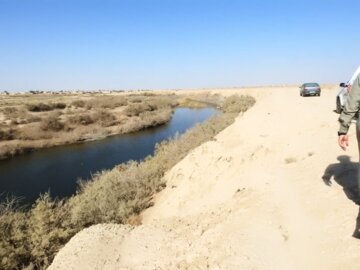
(52, 123)
(8, 111)
(14, 251)
(19, 116)
(7, 134)
(152, 104)
(43, 107)
(104, 102)
(101, 117)
(192, 103)
(104, 118)
(30, 133)
(116, 195)
(25, 119)
(48, 229)
(81, 119)
(162, 102)
(78, 103)
(8, 151)
(136, 99)
(154, 118)
(111, 102)
(237, 104)
(32, 238)
(289, 160)
(136, 109)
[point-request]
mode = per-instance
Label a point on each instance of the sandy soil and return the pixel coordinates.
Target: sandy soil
(254, 198)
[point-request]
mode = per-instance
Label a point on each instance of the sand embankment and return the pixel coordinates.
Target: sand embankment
(254, 198)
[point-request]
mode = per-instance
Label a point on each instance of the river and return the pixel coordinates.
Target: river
(58, 169)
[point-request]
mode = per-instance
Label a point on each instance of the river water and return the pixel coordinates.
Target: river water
(58, 169)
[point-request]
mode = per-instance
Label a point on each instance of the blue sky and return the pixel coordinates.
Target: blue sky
(148, 44)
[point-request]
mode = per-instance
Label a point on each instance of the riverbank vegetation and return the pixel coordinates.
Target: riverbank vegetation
(27, 123)
(30, 238)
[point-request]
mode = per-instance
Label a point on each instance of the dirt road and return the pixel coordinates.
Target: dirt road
(255, 198)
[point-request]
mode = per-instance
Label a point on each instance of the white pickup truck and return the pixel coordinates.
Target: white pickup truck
(341, 97)
(344, 91)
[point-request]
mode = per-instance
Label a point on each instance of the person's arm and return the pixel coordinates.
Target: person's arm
(351, 107)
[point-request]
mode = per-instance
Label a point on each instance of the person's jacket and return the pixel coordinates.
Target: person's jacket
(352, 106)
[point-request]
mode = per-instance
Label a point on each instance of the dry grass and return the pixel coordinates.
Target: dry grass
(19, 116)
(46, 123)
(237, 104)
(78, 104)
(52, 123)
(104, 102)
(191, 103)
(81, 119)
(42, 107)
(32, 238)
(7, 134)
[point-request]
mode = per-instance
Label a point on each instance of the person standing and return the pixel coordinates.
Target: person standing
(352, 106)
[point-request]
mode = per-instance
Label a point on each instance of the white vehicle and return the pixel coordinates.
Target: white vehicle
(341, 97)
(344, 91)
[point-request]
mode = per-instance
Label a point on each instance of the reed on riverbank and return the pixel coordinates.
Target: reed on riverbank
(31, 238)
